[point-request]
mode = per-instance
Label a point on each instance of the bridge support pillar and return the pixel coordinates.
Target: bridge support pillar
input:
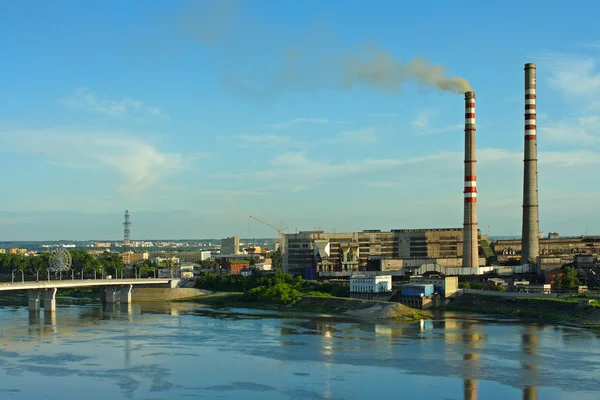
(126, 294)
(111, 294)
(34, 300)
(50, 300)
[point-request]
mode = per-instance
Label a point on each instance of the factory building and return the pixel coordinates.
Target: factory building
(371, 250)
(553, 245)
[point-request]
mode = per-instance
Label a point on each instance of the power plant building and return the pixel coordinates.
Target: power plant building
(351, 252)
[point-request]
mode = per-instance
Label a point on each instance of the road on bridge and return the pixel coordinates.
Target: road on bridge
(72, 283)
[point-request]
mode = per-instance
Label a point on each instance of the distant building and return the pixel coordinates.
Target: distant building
(129, 257)
(186, 270)
(2, 251)
(552, 246)
(230, 245)
(235, 267)
(194, 256)
(370, 284)
(164, 261)
(15, 250)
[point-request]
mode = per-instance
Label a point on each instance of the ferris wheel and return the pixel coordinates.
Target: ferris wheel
(60, 260)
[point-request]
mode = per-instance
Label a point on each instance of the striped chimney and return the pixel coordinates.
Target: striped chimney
(530, 246)
(470, 239)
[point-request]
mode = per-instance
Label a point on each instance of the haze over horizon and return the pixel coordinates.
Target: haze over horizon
(194, 115)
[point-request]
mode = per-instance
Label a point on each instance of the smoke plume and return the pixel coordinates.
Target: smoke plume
(315, 62)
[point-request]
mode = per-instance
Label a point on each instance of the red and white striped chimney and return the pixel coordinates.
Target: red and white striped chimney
(530, 245)
(470, 239)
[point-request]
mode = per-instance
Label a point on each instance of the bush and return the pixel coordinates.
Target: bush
(276, 287)
(281, 293)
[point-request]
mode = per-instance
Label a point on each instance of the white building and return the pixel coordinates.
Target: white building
(370, 284)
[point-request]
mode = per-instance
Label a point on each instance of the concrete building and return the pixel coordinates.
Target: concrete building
(230, 245)
(445, 287)
(555, 251)
(194, 256)
(130, 257)
(370, 284)
(371, 250)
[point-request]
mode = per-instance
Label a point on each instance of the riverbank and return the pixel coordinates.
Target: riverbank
(322, 305)
(166, 294)
(573, 311)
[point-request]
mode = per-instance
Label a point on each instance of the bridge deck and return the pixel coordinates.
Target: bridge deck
(68, 283)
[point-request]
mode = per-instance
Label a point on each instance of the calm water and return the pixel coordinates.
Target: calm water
(176, 351)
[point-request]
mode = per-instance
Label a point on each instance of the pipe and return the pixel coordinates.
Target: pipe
(470, 239)
(530, 246)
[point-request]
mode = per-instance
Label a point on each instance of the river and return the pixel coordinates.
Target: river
(186, 351)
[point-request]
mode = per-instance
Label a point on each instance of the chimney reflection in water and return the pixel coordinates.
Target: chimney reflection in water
(455, 332)
(473, 341)
(530, 341)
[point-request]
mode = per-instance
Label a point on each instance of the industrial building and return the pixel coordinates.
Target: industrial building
(371, 284)
(316, 253)
(448, 251)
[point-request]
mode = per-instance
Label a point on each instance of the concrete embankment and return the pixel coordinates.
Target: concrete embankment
(324, 305)
(571, 311)
(166, 294)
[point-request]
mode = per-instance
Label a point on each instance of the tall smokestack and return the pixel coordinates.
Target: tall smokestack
(470, 242)
(530, 247)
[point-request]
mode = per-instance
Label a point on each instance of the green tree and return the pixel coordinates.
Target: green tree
(112, 263)
(568, 279)
(276, 259)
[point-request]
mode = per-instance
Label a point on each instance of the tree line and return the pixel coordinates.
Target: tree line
(82, 261)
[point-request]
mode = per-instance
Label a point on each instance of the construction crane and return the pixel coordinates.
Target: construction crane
(279, 230)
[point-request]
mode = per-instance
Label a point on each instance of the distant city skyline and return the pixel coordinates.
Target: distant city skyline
(193, 117)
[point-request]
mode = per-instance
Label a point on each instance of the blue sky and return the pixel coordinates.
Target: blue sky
(194, 115)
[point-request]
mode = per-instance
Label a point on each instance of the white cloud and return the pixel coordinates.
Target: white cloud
(297, 170)
(592, 45)
(577, 79)
(84, 99)
(576, 76)
(578, 131)
(138, 162)
(292, 122)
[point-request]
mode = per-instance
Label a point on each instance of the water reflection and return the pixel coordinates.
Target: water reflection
(530, 340)
(179, 350)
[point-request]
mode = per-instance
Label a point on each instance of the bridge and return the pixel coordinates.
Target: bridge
(110, 289)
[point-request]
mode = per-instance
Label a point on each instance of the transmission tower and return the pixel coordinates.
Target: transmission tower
(127, 231)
